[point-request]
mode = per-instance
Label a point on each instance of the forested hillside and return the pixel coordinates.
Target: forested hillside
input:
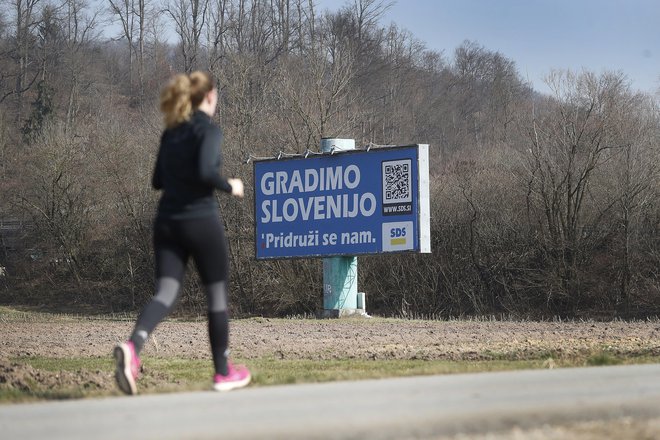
(542, 205)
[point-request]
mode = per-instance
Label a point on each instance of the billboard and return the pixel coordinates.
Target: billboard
(351, 203)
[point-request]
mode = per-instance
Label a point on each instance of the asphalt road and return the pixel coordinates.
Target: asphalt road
(415, 407)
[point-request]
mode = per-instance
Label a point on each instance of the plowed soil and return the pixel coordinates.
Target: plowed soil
(356, 338)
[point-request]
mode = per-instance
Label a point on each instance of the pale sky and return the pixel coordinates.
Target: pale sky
(539, 35)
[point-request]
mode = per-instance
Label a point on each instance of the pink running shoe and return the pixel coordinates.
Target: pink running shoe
(128, 367)
(237, 377)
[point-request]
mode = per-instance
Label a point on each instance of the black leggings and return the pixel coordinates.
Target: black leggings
(203, 239)
(175, 241)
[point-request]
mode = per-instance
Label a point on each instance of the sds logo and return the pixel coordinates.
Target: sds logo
(397, 236)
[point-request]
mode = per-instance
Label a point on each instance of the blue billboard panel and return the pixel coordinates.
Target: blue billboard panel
(351, 203)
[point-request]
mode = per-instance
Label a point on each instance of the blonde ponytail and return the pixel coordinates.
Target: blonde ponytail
(175, 101)
(182, 95)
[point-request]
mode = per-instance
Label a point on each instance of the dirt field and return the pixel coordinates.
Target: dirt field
(338, 339)
(25, 335)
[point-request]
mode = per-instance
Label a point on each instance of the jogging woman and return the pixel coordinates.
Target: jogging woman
(188, 225)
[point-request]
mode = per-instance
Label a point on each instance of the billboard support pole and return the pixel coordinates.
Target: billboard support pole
(340, 295)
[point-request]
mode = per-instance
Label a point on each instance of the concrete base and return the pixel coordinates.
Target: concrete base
(360, 310)
(344, 313)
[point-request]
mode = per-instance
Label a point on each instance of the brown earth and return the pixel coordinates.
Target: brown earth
(62, 337)
(339, 339)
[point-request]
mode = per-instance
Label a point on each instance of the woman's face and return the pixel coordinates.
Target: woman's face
(213, 99)
(210, 103)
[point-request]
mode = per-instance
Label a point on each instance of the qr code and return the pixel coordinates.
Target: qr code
(396, 181)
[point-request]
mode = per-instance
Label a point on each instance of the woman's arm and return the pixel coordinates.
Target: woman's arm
(210, 160)
(156, 180)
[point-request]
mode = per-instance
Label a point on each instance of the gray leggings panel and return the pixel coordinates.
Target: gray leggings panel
(216, 295)
(167, 291)
(167, 294)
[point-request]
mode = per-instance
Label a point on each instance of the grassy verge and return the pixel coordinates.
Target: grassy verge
(44, 378)
(28, 315)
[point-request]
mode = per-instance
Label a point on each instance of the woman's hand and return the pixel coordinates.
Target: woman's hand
(236, 187)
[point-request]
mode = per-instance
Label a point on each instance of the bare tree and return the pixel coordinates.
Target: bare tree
(217, 27)
(189, 18)
(80, 22)
(55, 194)
(124, 12)
(568, 144)
(367, 15)
(315, 94)
(142, 20)
(282, 19)
(25, 13)
(50, 38)
(132, 15)
(631, 181)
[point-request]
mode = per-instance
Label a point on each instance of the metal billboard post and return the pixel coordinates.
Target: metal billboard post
(340, 295)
